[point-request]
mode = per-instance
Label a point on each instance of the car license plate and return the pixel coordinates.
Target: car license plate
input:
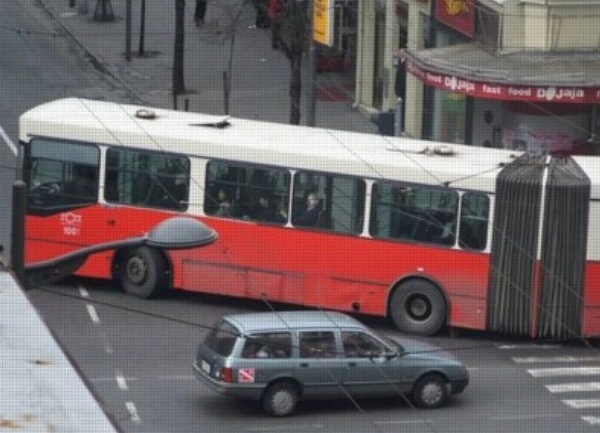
(205, 366)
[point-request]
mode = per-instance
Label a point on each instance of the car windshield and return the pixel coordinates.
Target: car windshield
(221, 339)
(394, 345)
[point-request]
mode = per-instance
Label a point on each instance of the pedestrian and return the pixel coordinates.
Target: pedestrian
(200, 12)
(262, 16)
(275, 9)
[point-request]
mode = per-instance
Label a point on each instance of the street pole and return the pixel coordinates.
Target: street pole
(311, 100)
(128, 31)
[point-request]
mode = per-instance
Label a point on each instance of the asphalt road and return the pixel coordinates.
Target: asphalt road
(137, 354)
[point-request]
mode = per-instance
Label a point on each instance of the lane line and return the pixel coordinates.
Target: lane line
(135, 417)
(527, 346)
(107, 346)
(93, 314)
(121, 382)
(9, 142)
(83, 292)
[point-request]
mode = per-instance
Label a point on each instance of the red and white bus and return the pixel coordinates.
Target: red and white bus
(427, 234)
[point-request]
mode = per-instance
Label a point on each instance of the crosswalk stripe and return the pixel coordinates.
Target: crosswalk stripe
(574, 387)
(565, 371)
(592, 420)
(554, 359)
(583, 404)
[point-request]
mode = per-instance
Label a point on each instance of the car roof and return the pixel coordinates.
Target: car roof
(292, 320)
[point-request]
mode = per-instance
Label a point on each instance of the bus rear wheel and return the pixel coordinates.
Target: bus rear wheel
(142, 272)
(418, 307)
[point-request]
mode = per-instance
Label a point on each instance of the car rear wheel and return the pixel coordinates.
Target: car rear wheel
(430, 392)
(280, 399)
(142, 272)
(418, 307)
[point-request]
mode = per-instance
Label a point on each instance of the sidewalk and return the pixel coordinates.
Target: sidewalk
(41, 391)
(260, 75)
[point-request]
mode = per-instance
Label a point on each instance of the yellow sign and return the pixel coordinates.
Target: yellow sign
(323, 20)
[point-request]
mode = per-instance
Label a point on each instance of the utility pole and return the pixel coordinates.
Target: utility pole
(128, 31)
(311, 104)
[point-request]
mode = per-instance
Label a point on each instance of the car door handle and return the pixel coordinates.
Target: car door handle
(352, 364)
(304, 364)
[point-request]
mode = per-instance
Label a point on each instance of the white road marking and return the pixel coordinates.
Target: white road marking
(121, 382)
(93, 314)
(574, 387)
(592, 420)
(288, 427)
(525, 417)
(554, 359)
(565, 371)
(527, 346)
(107, 346)
(8, 142)
(593, 403)
(135, 417)
(83, 292)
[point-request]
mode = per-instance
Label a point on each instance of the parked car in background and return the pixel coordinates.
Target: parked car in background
(280, 358)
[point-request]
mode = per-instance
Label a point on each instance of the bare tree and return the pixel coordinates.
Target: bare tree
(178, 51)
(224, 30)
(295, 26)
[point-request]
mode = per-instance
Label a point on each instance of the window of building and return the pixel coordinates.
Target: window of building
(147, 179)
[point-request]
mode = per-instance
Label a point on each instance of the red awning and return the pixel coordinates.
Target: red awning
(526, 76)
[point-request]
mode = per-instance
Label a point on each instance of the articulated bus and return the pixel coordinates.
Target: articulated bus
(429, 235)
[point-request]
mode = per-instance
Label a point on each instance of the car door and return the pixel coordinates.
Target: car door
(369, 371)
(320, 366)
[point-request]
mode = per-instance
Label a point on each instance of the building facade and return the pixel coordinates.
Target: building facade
(522, 74)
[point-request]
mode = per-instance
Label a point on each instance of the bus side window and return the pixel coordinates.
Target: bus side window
(474, 221)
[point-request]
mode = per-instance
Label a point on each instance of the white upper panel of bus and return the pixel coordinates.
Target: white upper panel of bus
(366, 155)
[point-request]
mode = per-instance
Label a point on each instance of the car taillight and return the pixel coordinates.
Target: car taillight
(226, 375)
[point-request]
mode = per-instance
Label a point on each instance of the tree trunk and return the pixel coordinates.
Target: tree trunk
(295, 88)
(178, 80)
(142, 29)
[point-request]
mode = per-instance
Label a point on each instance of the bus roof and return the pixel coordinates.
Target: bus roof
(318, 149)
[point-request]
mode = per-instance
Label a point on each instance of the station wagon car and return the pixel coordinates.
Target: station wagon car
(280, 358)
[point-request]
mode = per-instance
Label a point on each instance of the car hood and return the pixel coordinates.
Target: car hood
(424, 349)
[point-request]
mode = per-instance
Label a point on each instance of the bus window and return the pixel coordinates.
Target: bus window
(147, 179)
(474, 221)
(328, 202)
(246, 192)
(61, 175)
(415, 213)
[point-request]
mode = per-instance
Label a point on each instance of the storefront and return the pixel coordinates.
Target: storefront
(540, 102)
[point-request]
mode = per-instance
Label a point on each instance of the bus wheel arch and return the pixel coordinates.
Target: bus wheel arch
(418, 306)
(143, 271)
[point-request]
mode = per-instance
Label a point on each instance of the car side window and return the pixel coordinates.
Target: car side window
(317, 344)
(268, 345)
(361, 345)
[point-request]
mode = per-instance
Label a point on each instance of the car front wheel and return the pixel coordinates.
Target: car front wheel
(430, 392)
(280, 399)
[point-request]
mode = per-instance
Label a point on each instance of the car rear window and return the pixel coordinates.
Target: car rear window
(221, 339)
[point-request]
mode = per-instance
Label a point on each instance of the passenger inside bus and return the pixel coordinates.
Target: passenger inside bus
(309, 216)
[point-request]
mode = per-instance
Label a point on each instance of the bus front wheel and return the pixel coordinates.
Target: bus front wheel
(418, 307)
(142, 272)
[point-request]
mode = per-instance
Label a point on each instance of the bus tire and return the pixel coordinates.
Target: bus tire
(418, 307)
(143, 272)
